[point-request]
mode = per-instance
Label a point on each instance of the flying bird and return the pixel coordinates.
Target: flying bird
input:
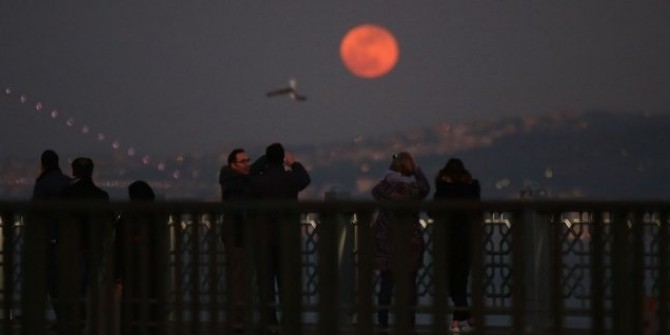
(290, 90)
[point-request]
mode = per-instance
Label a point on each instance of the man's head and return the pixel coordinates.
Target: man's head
(275, 153)
(49, 160)
(239, 161)
(82, 167)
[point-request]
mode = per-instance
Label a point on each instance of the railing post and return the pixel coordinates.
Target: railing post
(213, 269)
(34, 273)
(537, 247)
(365, 290)
(597, 251)
(477, 276)
(345, 255)
(441, 264)
(291, 291)
(329, 302)
(556, 273)
(621, 273)
(663, 314)
(519, 273)
(637, 270)
(6, 219)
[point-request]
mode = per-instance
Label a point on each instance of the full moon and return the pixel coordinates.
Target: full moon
(369, 51)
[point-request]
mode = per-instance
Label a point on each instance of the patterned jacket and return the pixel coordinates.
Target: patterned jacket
(395, 187)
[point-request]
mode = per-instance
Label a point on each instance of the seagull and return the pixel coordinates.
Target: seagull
(290, 90)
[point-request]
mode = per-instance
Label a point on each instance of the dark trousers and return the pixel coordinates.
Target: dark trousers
(236, 282)
(386, 293)
(53, 285)
(459, 271)
(270, 272)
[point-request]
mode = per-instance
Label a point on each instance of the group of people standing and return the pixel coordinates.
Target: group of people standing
(406, 181)
(276, 175)
(136, 242)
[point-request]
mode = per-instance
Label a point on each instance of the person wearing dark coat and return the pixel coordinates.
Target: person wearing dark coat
(48, 187)
(404, 181)
(233, 179)
(275, 176)
(82, 188)
(140, 243)
(454, 182)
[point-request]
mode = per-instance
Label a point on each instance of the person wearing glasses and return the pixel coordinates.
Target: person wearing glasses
(233, 179)
(404, 181)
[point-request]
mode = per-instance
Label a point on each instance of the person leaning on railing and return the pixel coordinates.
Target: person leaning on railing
(403, 181)
(454, 182)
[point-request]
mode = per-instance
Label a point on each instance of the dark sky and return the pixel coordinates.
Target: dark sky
(181, 76)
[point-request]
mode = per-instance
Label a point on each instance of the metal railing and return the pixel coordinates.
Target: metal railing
(558, 267)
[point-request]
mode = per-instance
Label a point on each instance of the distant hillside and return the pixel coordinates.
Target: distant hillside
(592, 155)
(563, 155)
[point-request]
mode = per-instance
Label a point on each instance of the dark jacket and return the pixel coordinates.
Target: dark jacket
(459, 231)
(85, 190)
(234, 187)
(49, 186)
(274, 181)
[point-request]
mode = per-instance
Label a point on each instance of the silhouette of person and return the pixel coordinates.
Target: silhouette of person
(82, 188)
(275, 176)
(404, 181)
(454, 182)
(48, 186)
(140, 248)
(233, 179)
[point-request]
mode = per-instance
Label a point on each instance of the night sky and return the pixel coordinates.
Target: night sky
(165, 77)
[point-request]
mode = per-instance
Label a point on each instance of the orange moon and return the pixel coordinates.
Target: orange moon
(369, 51)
